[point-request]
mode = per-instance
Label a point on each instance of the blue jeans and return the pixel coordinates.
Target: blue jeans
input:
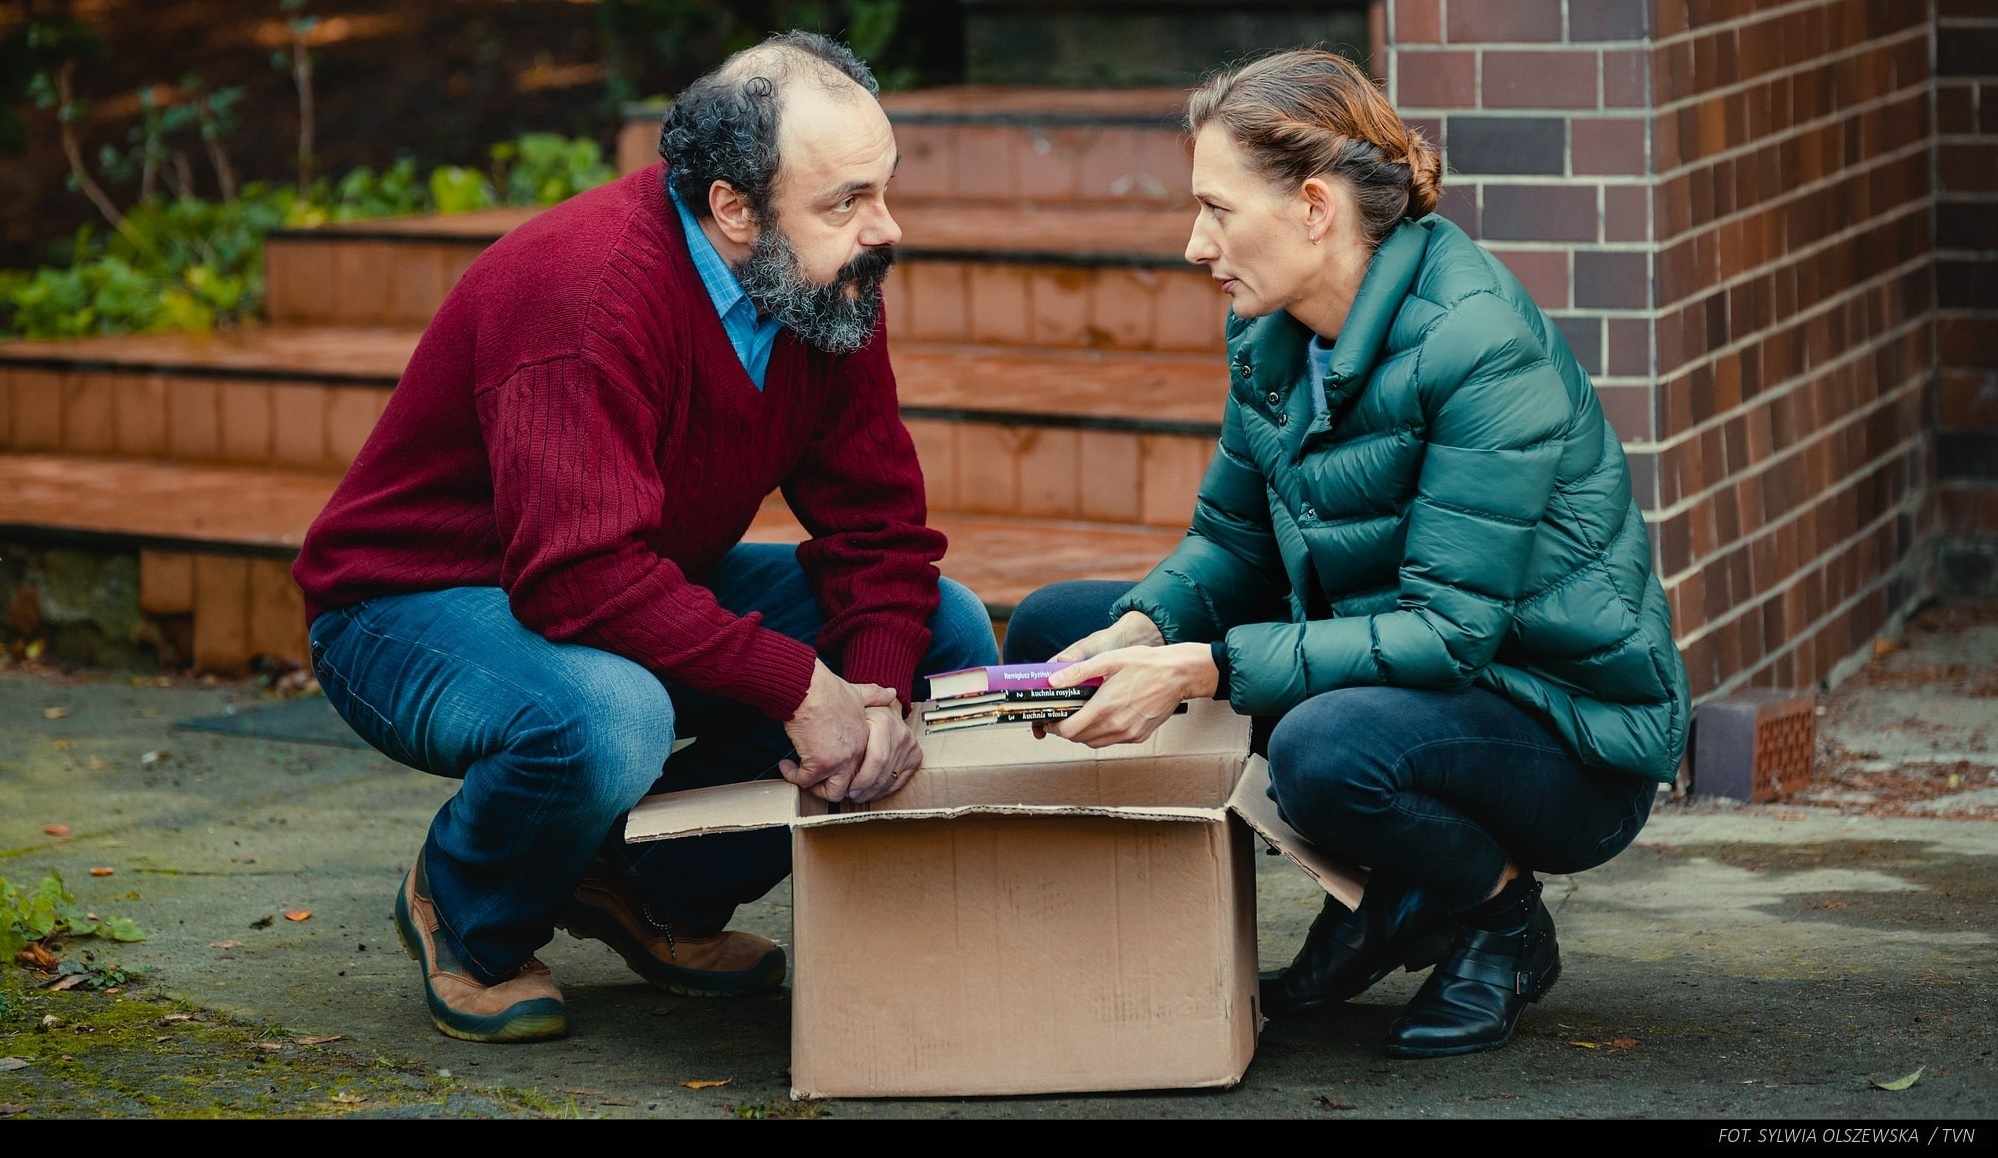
(1429, 788)
(554, 742)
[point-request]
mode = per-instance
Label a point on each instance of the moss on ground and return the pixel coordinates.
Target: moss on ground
(123, 1054)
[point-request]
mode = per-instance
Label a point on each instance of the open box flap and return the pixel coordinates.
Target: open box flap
(1252, 803)
(1120, 812)
(724, 808)
(777, 804)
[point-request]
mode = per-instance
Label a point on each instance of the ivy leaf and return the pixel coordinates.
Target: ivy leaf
(121, 929)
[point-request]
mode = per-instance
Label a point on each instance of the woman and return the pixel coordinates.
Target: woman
(1416, 552)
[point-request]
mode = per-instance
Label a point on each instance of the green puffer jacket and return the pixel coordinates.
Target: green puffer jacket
(1460, 516)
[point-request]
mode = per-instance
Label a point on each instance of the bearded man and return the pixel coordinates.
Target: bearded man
(532, 579)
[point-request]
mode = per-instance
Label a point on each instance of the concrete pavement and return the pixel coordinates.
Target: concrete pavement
(1739, 962)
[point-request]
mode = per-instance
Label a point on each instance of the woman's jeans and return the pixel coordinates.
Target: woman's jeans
(554, 743)
(1436, 789)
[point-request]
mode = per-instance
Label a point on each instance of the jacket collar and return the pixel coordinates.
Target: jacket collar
(1268, 354)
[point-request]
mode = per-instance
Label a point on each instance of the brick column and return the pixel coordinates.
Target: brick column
(1967, 295)
(1725, 206)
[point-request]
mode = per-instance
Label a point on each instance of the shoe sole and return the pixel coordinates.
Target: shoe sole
(1418, 1052)
(586, 924)
(539, 1020)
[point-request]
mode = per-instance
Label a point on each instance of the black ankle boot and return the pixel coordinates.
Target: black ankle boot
(1473, 999)
(1346, 952)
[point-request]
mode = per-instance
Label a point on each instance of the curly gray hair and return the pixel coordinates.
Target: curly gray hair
(724, 126)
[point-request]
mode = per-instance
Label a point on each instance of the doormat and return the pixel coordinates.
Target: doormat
(303, 721)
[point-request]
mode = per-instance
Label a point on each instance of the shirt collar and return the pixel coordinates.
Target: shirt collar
(720, 280)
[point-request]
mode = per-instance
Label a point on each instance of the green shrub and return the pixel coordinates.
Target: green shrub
(190, 264)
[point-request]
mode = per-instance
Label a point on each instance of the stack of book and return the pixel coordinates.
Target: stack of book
(1002, 694)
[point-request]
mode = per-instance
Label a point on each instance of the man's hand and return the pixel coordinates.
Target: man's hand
(852, 741)
(1134, 629)
(1141, 688)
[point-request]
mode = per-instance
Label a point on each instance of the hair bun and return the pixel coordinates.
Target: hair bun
(1425, 175)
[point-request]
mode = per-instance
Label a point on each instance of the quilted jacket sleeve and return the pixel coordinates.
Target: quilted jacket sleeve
(1227, 570)
(1495, 409)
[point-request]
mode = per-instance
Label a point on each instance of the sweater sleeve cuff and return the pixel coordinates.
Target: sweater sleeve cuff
(1221, 666)
(774, 675)
(886, 656)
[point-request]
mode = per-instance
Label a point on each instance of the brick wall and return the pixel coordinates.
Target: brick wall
(1967, 295)
(1726, 207)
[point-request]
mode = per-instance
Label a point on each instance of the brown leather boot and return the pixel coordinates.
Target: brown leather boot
(524, 1007)
(728, 964)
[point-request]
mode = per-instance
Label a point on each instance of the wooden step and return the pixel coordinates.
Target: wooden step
(1066, 434)
(1008, 144)
(290, 397)
(1076, 277)
(215, 543)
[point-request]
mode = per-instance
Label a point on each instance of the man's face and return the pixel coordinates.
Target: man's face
(817, 265)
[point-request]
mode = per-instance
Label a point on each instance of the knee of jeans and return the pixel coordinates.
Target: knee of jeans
(619, 724)
(1326, 760)
(1052, 617)
(961, 630)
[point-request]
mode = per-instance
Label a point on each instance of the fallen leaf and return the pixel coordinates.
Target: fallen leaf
(69, 981)
(262, 922)
(101, 870)
(56, 829)
(228, 944)
(54, 713)
(1586, 1044)
(347, 1099)
(1624, 1042)
(153, 757)
(47, 1023)
(707, 1085)
(173, 1018)
(36, 957)
(270, 1045)
(8, 1109)
(1833, 903)
(1901, 1083)
(1325, 1103)
(14, 1063)
(33, 650)
(297, 914)
(322, 1040)
(62, 745)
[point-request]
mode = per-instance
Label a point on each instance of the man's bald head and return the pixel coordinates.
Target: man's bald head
(724, 126)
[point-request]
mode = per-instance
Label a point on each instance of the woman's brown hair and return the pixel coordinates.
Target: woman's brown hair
(1312, 113)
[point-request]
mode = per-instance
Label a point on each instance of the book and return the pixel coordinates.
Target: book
(972, 681)
(1004, 714)
(998, 714)
(1020, 695)
(982, 705)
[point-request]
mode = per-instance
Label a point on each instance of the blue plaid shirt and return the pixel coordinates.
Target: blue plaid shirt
(752, 337)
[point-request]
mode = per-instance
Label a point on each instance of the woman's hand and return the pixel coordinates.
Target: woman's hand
(1141, 688)
(1133, 630)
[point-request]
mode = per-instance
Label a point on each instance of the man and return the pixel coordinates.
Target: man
(532, 578)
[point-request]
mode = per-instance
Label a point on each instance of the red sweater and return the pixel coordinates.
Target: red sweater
(575, 428)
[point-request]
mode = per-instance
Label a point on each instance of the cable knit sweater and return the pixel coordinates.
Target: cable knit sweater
(575, 428)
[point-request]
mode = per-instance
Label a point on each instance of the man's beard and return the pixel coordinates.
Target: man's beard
(827, 317)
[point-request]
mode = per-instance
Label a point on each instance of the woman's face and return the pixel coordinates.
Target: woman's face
(1252, 237)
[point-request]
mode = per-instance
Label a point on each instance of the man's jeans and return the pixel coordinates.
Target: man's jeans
(554, 742)
(1425, 787)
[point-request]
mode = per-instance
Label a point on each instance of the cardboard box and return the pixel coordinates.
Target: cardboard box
(1024, 916)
